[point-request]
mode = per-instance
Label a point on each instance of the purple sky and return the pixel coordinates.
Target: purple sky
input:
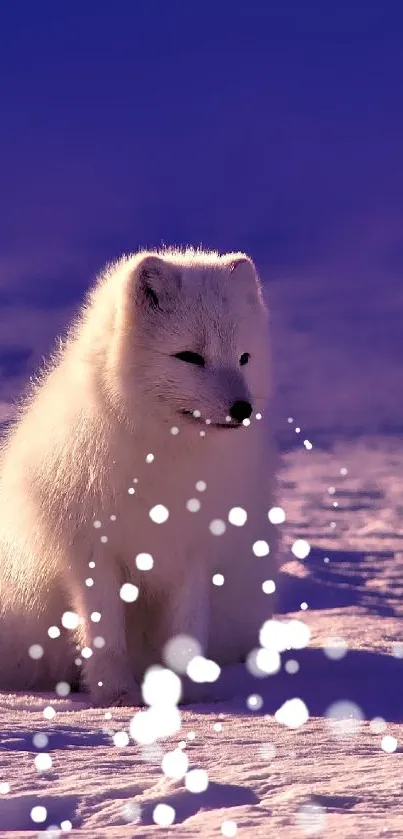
(271, 126)
(260, 125)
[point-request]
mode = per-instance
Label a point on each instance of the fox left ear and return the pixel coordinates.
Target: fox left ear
(157, 283)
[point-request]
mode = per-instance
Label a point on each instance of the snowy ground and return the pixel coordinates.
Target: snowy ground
(331, 779)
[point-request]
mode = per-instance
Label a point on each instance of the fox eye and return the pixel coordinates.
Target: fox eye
(190, 357)
(245, 357)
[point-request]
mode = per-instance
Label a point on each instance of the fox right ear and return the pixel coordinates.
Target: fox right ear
(157, 283)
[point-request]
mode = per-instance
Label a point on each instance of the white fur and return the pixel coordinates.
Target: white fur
(109, 398)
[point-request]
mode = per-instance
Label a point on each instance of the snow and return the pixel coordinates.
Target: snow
(314, 749)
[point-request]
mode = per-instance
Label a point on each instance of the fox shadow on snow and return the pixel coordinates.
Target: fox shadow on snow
(374, 681)
(338, 583)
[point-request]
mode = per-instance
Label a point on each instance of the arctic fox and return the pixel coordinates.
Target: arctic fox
(119, 479)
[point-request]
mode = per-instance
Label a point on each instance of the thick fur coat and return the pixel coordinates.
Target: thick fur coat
(163, 348)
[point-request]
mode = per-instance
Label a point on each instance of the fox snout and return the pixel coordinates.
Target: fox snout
(232, 384)
(223, 400)
(240, 410)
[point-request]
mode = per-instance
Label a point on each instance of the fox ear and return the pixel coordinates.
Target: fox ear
(243, 268)
(243, 271)
(157, 283)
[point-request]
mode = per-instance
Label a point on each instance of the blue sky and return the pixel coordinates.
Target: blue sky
(269, 126)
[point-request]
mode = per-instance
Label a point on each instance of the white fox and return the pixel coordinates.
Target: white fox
(152, 403)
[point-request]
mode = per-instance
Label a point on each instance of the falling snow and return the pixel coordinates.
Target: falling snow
(311, 819)
(179, 651)
(293, 713)
(291, 666)
(300, 548)
(129, 592)
(62, 688)
(344, 719)
(276, 515)
(43, 762)
(284, 635)
(144, 562)
(193, 505)
(35, 651)
(196, 780)
(260, 548)
(217, 527)
(254, 702)
(261, 662)
(237, 516)
(389, 743)
(268, 586)
(377, 725)
(121, 739)
(70, 620)
(175, 764)
(201, 669)
(159, 514)
(229, 828)
(161, 687)
(40, 740)
(38, 814)
(335, 648)
(164, 815)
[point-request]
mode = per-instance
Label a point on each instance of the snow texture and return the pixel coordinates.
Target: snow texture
(337, 775)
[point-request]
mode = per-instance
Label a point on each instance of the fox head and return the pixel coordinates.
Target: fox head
(190, 340)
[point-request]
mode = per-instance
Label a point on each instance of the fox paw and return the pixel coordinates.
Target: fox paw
(119, 698)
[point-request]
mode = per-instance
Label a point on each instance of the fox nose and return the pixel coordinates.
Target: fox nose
(240, 410)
